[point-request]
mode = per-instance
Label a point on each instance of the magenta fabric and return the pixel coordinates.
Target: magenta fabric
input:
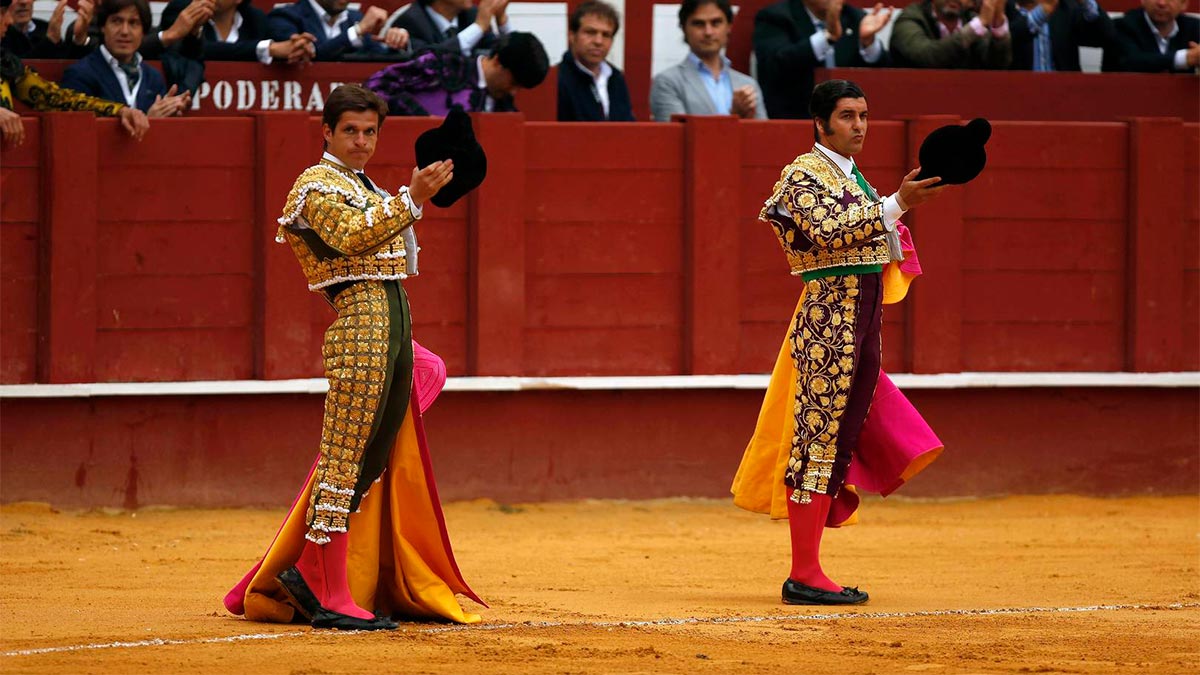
(429, 376)
(892, 438)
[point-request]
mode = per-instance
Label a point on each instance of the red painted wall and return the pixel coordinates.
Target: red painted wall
(590, 249)
(532, 446)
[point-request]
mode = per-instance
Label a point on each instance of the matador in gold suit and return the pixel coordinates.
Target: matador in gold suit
(355, 243)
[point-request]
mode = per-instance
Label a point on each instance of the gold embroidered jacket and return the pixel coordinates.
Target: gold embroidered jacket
(826, 220)
(342, 231)
(20, 82)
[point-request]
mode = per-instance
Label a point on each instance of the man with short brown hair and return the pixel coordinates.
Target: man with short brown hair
(590, 89)
(355, 244)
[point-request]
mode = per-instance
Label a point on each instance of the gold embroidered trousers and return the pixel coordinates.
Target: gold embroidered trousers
(368, 361)
(835, 343)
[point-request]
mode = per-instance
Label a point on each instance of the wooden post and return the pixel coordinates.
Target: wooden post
(712, 166)
(67, 249)
(1154, 336)
(496, 243)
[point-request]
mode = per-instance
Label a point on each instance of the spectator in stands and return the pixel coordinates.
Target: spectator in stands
(19, 82)
(434, 81)
(237, 31)
(948, 34)
(340, 32)
(182, 38)
(792, 39)
(27, 37)
(1052, 31)
(590, 89)
(453, 24)
(704, 83)
(36, 39)
(1157, 38)
(117, 72)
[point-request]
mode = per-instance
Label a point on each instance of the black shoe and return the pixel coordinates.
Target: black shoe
(324, 618)
(795, 593)
(301, 596)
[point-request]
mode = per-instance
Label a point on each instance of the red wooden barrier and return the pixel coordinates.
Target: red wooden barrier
(590, 250)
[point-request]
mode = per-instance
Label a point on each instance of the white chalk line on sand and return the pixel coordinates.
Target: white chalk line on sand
(160, 642)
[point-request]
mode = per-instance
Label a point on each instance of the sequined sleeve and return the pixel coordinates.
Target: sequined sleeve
(342, 216)
(830, 218)
(41, 94)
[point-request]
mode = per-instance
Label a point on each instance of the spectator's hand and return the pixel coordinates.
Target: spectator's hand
(296, 49)
(745, 102)
(395, 38)
(170, 104)
(426, 182)
(191, 20)
(83, 19)
(54, 27)
(873, 23)
(988, 9)
(372, 21)
(135, 122)
(833, 20)
(1048, 6)
(1193, 55)
(491, 9)
(914, 192)
(12, 127)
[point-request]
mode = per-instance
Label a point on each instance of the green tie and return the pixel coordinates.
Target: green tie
(862, 183)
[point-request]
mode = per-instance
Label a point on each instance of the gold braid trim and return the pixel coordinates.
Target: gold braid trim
(346, 215)
(833, 222)
(41, 94)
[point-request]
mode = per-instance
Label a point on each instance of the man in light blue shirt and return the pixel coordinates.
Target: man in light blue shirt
(705, 83)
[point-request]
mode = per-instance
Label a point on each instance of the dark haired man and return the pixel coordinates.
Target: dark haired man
(705, 83)
(795, 37)
(21, 83)
(453, 25)
(355, 244)
(117, 72)
(590, 89)
(434, 81)
(1157, 37)
(835, 231)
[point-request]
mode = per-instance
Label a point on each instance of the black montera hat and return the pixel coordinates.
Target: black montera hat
(455, 140)
(954, 152)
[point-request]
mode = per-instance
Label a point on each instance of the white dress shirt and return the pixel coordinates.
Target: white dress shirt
(262, 50)
(130, 93)
(467, 37)
(824, 51)
(1180, 54)
(334, 30)
(599, 82)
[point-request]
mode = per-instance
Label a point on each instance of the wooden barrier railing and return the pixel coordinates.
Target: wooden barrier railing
(591, 249)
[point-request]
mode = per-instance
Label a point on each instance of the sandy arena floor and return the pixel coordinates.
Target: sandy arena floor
(1014, 585)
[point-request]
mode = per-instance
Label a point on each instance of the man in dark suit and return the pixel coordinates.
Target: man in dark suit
(26, 34)
(590, 89)
(453, 24)
(1157, 38)
(339, 32)
(116, 71)
(1047, 34)
(238, 32)
(795, 37)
